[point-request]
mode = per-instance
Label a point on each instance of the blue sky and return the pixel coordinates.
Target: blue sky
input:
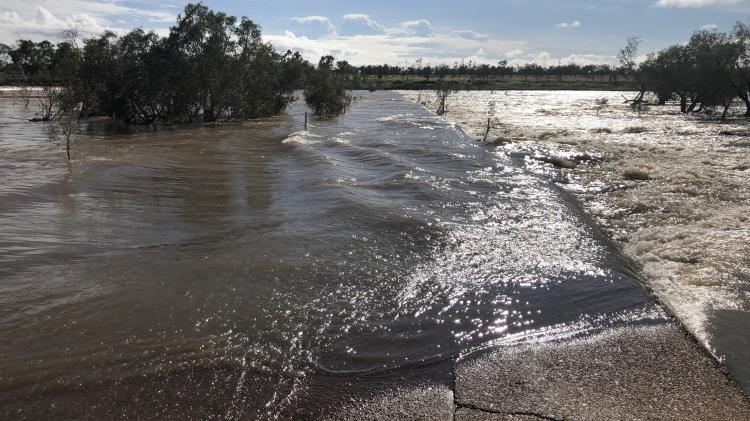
(399, 32)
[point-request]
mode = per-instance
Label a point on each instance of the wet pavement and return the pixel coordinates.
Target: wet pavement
(629, 373)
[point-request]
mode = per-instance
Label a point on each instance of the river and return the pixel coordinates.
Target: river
(244, 272)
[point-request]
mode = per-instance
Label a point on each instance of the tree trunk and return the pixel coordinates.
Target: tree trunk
(691, 107)
(746, 99)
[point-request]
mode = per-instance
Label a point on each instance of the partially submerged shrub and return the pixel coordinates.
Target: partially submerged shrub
(548, 134)
(602, 130)
(557, 161)
(735, 133)
(324, 93)
(572, 142)
(635, 129)
(600, 104)
(501, 140)
(636, 173)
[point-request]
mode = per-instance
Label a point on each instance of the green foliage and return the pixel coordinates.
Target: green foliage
(324, 91)
(210, 67)
(709, 71)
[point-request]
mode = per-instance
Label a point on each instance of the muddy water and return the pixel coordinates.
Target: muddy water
(246, 273)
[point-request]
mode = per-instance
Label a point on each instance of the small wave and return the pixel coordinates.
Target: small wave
(423, 122)
(396, 117)
(303, 138)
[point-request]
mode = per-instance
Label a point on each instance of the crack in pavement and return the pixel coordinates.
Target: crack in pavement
(460, 405)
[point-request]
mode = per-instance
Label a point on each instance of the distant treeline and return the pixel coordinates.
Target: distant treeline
(484, 71)
(213, 67)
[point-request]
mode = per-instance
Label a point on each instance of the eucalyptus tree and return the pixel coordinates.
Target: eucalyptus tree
(709, 71)
(324, 93)
(713, 57)
(667, 74)
(98, 65)
(204, 41)
(742, 68)
(135, 91)
(628, 57)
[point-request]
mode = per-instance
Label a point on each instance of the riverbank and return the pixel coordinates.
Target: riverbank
(672, 190)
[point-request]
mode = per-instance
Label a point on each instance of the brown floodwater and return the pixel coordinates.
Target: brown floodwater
(258, 271)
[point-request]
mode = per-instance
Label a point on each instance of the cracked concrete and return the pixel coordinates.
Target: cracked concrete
(628, 373)
(465, 414)
(421, 403)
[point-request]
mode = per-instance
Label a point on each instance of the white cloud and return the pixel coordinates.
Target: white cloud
(696, 3)
(395, 48)
(317, 19)
(399, 44)
(44, 24)
(469, 34)
(415, 39)
(545, 59)
(46, 19)
(362, 18)
(419, 27)
(402, 43)
(573, 24)
(709, 27)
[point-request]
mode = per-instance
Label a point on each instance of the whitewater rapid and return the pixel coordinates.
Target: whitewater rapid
(673, 190)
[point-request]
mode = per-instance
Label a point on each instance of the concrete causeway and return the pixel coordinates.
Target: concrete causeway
(627, 373)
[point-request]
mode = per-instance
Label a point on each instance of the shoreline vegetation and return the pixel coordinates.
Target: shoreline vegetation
(214, 67)
(516, 82)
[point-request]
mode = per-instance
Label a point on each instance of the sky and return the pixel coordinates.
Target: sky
(545, 32)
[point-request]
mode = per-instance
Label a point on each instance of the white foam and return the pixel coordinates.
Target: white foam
(687, 223)
(303, 138)
(396, 117)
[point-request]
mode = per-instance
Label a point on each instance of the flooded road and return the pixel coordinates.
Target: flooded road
(246, 273)
(672, 189)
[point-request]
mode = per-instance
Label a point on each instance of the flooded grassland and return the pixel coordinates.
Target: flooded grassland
(674, 190)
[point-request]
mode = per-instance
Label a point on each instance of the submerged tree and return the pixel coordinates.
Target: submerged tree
(324, 93)
(491, 120)
(705, 73)
(628, 56)
(65, 130)
(442, 94)
(210, 67)
(600, 104)
(741, 81)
